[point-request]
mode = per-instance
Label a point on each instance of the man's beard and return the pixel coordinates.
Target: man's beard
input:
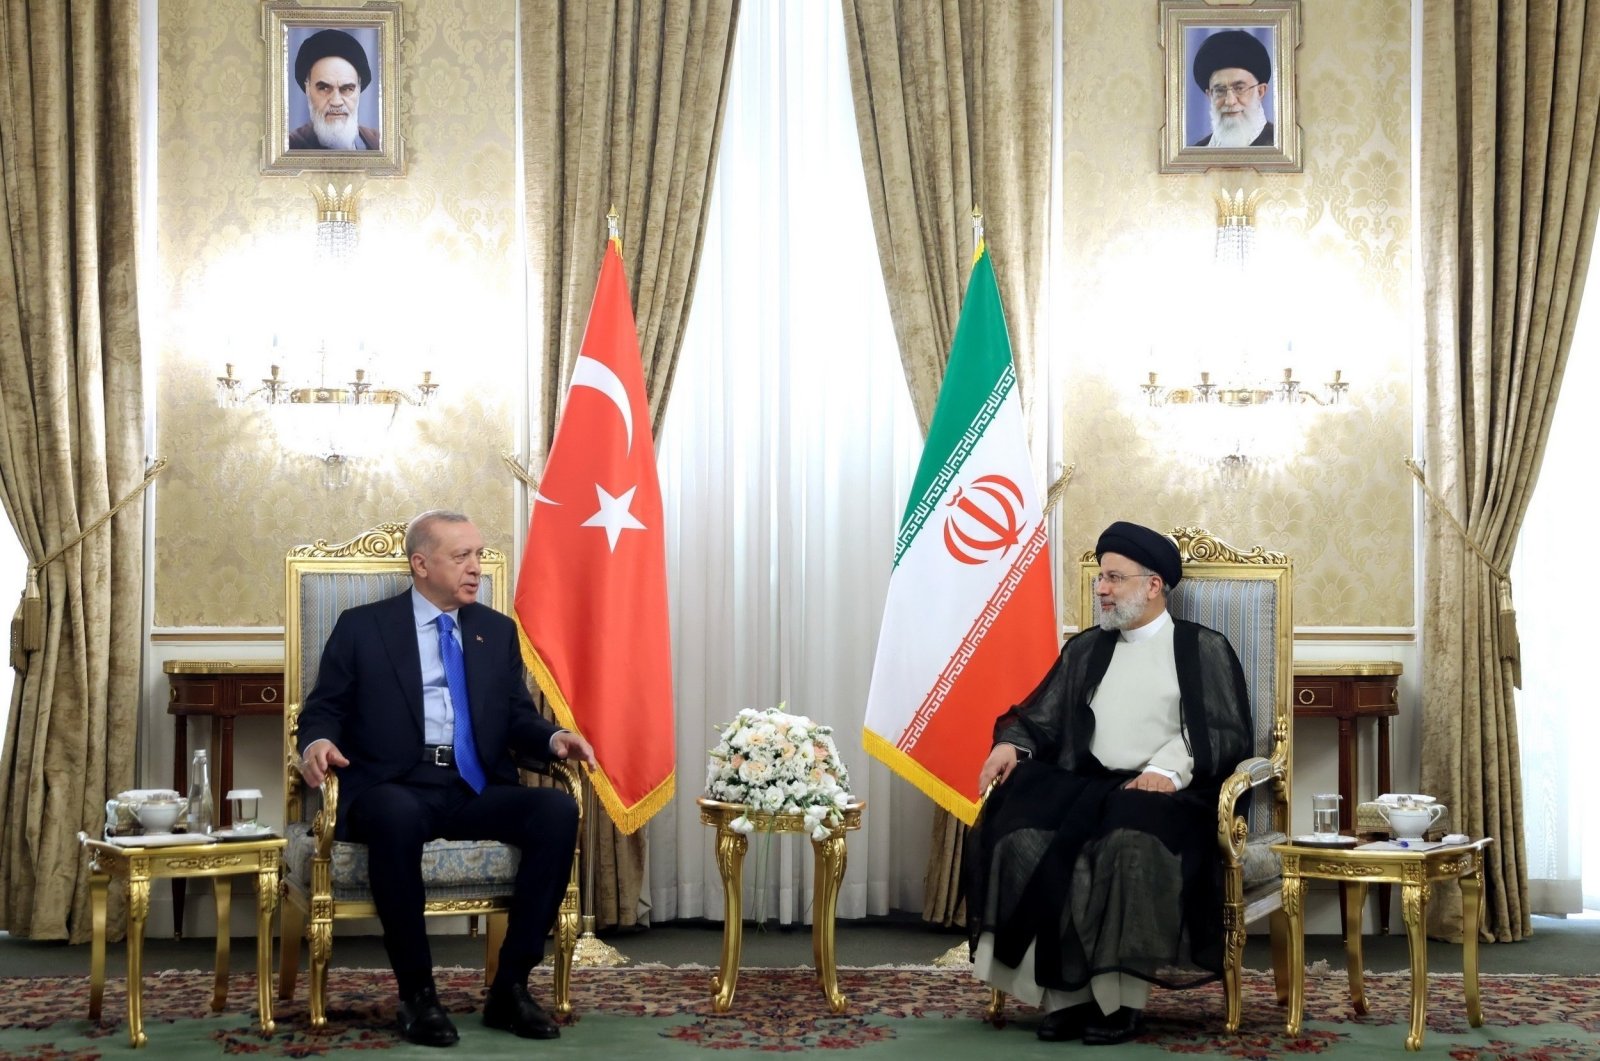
(1123, 614)
(337, 136)
(1237, 130)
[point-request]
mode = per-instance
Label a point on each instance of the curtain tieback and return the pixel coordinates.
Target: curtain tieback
(1510, 642)
(27, 623)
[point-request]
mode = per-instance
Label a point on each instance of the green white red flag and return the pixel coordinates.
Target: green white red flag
(591, 596)
(969, 627)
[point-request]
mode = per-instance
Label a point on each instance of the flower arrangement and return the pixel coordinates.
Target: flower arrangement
(780, 764)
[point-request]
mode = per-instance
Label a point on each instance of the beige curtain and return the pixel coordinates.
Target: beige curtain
(622, 106)
(1510, 190)
(953, 105)
(71, 410)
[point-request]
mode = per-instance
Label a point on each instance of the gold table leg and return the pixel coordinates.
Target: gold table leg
(138, 910)
(97, 945)
(731, 847)
(1294, 891)
(1471, 904)
(1355, 901)
(222, 893)
(1414, 904)
(830, 862)
(266, 905)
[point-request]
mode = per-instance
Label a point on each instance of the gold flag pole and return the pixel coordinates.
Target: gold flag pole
(592, 952)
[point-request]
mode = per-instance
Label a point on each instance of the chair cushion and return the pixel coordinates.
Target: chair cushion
(1261, 864)
(451, 869)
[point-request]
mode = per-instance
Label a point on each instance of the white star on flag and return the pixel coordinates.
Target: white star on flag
(614, 515)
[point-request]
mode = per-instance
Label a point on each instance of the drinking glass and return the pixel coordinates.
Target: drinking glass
(246, 803)
(1325, 815)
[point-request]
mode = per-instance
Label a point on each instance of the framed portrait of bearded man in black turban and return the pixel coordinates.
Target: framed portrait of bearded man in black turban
(1230, 86)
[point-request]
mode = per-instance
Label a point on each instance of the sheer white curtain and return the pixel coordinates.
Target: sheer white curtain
(787, 454)
(1557, 722)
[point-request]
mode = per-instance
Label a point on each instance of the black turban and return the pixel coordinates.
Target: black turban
(1228, 49)
(1143, 546)
(334, 42)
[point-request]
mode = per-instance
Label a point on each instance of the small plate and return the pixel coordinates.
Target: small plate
(1313, 840)
(237, 835)
(1396, 798)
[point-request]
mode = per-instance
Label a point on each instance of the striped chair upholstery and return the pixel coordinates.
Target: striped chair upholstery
(326, 880)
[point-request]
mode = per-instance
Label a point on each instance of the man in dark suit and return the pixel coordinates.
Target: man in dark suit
(419, 702)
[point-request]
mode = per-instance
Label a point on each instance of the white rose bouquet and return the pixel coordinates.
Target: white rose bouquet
(780, 764)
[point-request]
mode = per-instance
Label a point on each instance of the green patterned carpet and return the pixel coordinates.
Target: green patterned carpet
(933, 1014)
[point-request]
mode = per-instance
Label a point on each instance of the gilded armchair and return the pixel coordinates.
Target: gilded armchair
(325, 880)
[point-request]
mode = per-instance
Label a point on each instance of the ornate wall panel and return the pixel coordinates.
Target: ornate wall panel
(437, 285)
(1332, 276)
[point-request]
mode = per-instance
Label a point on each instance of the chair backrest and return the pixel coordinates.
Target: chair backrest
(322, 580)
(1247, 597)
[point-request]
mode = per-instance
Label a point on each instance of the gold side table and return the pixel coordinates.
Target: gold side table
(136, 867)
(830, 863)
(1416, 872)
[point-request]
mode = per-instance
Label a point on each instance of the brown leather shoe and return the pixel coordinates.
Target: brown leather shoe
(513, 1010)
(424, 1022)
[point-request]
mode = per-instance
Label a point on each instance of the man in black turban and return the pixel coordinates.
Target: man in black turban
(332, 69)
(1092, 871)
(1233, 69)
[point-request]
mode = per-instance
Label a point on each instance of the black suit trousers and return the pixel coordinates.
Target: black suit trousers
(397, 818)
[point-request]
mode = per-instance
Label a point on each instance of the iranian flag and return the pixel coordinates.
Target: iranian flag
(969, 627)
(592, 592)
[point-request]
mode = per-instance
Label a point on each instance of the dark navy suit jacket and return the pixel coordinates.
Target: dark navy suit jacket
(368, 695)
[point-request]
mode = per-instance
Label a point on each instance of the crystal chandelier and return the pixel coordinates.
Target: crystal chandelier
(323, 382)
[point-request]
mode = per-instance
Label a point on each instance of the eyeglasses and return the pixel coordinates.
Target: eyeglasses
(1116, 578)
(1237, 90)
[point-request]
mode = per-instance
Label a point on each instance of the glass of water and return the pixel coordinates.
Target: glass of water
(1325, 815)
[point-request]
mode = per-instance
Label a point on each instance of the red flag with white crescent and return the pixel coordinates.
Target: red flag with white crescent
(592, 592)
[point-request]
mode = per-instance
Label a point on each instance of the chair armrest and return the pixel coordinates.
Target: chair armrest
(1232, 828)
(560, 771)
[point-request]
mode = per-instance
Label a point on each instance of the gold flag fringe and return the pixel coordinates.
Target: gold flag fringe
(963, 807)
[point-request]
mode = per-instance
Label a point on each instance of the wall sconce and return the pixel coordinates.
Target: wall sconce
(338, 418)
(1219, 402)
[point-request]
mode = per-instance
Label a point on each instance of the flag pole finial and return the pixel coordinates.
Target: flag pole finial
(614, 227)
(977, 233)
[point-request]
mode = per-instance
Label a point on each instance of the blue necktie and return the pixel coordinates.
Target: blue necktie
(455, 676)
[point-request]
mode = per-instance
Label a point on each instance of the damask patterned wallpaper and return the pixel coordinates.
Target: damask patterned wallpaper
(437, 285)
(1330, 290)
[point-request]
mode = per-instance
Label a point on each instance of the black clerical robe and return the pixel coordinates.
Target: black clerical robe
(1108, 879)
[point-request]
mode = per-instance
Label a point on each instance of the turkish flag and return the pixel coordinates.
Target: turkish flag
(592, 593)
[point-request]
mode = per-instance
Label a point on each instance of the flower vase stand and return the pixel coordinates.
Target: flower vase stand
(830, 864)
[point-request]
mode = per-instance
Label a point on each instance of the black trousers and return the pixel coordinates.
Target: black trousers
(395, 819)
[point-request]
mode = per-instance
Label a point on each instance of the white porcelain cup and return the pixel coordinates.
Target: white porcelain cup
(1409, 823)
(159, 815)
(122, 811)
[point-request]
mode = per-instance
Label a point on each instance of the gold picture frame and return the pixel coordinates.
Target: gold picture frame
(358, 48)
(1254, 38)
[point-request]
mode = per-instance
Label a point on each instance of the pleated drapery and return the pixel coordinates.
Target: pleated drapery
(1509, 195)
(953, 108)
(71, 416)
(622, 106)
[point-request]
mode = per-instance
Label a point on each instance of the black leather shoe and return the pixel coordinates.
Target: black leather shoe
(1114, 1028)
(512, 1009)
(1067, 1023)
(424, 1022)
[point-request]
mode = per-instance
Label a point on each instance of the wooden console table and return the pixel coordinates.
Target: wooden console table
(1347, 691)
(220, 690)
